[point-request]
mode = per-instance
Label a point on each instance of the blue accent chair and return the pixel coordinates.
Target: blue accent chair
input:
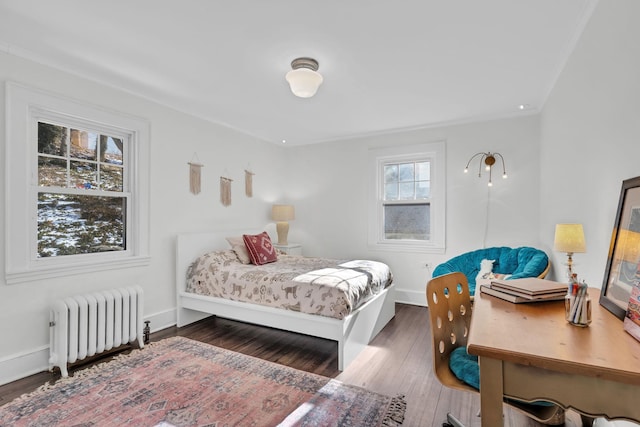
(518, 262)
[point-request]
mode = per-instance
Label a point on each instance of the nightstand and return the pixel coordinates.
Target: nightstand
(290, 248)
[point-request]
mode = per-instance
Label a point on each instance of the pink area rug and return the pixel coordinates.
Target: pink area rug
(181, 382)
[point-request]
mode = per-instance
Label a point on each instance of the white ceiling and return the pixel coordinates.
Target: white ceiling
(387, 65)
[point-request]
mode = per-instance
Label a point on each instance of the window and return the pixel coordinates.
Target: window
(82, 197)
(81, 204)
(407, 201)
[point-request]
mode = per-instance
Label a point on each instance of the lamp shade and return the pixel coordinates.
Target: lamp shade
(569, 238)
(283, 212)
(304, 82)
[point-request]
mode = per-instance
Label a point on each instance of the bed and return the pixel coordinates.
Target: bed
(352, 332)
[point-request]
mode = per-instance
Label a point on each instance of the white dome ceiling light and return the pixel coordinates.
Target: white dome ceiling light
(304, 78)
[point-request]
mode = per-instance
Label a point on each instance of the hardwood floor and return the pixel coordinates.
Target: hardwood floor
(398, 361)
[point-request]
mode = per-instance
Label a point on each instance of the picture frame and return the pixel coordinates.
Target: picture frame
(624, 251)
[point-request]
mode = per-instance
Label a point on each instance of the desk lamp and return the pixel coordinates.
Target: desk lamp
(569, 238)
(281, 214)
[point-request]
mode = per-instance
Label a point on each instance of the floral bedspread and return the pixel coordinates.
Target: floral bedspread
(326, 287)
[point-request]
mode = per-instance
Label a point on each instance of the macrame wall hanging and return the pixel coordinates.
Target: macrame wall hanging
(225, 191)
(248, 183)
(195, 174)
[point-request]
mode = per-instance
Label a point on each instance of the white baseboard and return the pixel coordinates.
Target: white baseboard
(411, 297)
(164, 319)
(21, 365)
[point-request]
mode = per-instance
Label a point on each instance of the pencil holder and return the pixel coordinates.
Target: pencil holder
(577, 309)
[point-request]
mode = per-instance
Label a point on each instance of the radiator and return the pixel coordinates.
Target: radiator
(86, 325)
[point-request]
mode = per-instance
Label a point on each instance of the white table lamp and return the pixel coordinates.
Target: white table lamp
(282, 214)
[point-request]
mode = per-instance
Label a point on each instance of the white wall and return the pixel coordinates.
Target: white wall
(329, 185)
(590, 136)
(175, 137)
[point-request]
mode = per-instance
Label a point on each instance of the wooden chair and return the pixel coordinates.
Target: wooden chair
(450, 314)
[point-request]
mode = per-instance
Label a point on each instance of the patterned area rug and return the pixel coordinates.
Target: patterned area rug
(181, 382)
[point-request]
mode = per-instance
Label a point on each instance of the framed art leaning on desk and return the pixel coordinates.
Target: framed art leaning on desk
(624, 251)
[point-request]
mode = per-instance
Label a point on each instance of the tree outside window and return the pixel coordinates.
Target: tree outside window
(82, 197)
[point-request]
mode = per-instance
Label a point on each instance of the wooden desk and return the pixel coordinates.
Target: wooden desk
(529, 351)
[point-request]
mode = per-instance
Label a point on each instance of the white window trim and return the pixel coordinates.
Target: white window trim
(21, 264)
(434, 151)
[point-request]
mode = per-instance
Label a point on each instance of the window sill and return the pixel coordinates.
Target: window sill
(406, 247)
(61, 270)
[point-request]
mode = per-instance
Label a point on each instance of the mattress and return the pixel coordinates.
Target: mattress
(319, 286)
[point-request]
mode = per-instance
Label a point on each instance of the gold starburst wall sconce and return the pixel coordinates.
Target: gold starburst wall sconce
(489, 160)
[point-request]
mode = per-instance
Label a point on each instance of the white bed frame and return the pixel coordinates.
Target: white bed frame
(353, 333)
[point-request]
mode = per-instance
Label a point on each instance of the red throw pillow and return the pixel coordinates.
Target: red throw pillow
(261, 250)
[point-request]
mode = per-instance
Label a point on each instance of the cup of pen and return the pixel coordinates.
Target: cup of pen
(577, 304)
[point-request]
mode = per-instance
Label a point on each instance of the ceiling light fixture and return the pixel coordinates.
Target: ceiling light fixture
(304, 78)
(489, 159)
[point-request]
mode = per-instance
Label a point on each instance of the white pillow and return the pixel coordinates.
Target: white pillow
(238, 246)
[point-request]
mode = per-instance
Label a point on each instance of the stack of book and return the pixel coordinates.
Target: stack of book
(529, 289)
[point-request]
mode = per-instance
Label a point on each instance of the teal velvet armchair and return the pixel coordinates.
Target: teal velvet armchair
(517, 262)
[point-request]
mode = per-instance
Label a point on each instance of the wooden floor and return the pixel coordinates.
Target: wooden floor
(398, 361)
